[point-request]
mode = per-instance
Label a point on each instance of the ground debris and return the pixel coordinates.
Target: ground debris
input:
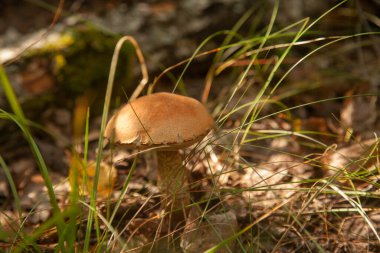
(355, 157)
(204, 232)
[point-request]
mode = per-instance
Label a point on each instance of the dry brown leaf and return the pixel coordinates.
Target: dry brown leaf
(351, 158)
(359, 113)
(84, 178)
(202, 233)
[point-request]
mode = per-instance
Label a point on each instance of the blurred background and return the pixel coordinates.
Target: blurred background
(57, 55)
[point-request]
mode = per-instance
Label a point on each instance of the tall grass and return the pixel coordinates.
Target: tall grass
(20, 120)
(234, 48)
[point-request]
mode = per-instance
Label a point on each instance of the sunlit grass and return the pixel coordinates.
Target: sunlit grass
(226, 146)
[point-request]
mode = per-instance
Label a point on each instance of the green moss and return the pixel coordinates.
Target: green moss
(80, 60)
(88, 59)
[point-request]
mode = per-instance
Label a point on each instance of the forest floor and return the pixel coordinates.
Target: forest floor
(291, 166)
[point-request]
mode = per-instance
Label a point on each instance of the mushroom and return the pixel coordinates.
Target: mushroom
(166, 122)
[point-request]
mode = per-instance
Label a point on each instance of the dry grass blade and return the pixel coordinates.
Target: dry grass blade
(57, 15)
(357, 206)
(263, 217)
(144, 69)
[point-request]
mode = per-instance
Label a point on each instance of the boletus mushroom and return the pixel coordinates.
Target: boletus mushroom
(166, 122)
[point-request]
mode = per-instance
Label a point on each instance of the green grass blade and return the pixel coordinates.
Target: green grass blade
(106, 106)
(10, 94)
(20, 120)
(12, 185)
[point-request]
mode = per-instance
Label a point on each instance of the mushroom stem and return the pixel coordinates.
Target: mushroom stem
(172, 181)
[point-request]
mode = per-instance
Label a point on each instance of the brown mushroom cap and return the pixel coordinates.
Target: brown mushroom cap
(160, 119)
